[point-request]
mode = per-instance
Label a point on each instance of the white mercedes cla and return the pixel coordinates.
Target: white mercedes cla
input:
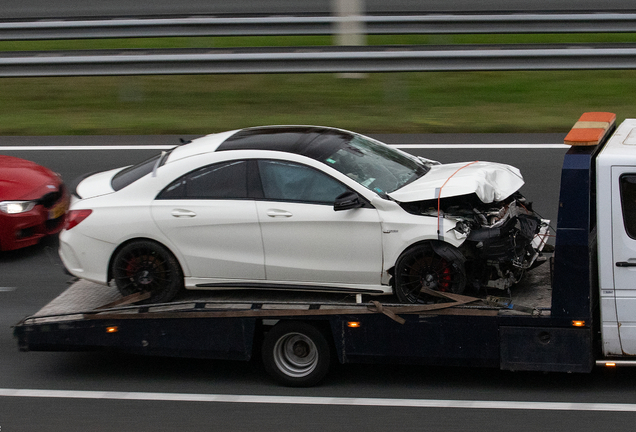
(300, 208)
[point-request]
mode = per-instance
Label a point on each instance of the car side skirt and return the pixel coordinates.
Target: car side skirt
(363, 289)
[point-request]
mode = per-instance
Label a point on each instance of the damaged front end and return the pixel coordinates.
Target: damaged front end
(502, 239)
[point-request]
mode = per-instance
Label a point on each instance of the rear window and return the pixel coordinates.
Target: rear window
(133, 173)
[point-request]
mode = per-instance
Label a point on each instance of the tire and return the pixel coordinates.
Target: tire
(146, 266)
(296, 354)
(421, 266)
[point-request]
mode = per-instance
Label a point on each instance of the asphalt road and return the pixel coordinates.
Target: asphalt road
(376, 398)
(10, 9)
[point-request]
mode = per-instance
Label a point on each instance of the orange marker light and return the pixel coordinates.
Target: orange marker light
(113, 329)
(591, 128)
(610, 364)
(353, 324)
(576, 323)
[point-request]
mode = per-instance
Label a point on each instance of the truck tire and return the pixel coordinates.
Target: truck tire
(436, 266)
(146, 266)
(296, 354)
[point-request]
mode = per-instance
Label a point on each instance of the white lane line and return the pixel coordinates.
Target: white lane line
(7, 289)
(481, 146)
(331, 401)
(87, 147)
(402, 146)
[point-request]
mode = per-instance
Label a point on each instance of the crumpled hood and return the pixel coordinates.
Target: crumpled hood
(97, 184)
(21, 179)
(490, 181)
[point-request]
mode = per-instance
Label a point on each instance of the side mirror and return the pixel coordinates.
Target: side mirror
(347, 200)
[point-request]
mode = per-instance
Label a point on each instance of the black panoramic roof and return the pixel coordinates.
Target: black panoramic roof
(311, 141)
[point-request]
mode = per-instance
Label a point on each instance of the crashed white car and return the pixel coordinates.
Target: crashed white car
(300, 208)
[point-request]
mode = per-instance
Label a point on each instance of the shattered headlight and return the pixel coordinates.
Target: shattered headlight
(15, 207)
(462, 227)
(461, 230)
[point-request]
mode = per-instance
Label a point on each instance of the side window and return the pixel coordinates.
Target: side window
(286, 181)
(628, 203)
(227, 180)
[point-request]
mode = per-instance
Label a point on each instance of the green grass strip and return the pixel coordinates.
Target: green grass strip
(426, 102)
(283, 41)
(379, 103)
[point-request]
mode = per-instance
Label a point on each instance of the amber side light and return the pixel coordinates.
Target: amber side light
(610, 364)
(113, 329)
(576, 323)
(353, 324)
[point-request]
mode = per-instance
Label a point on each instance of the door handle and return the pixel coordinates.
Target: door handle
(625, 264)
(278, 213)
(183, 213)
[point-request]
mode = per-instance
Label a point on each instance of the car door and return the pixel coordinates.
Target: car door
(624, 250)
(305, 239)
(209, 217)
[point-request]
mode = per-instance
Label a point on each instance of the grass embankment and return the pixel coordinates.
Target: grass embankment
(546, 101)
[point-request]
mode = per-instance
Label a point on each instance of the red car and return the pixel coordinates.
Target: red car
(33, 203)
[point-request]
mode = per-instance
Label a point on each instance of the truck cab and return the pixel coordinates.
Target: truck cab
(616, 234)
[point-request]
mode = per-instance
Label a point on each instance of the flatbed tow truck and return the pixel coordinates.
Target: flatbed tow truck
(576, 312)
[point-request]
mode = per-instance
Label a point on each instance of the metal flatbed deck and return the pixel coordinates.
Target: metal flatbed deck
(86, 300)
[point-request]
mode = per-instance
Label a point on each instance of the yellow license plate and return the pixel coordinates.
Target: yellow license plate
(58, 210)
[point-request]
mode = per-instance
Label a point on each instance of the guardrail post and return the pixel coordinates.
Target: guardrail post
(349, 27)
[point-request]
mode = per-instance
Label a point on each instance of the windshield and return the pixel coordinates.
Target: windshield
(375, 166)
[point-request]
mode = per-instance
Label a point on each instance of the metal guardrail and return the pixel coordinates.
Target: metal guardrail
(319, 60)
(318, 25)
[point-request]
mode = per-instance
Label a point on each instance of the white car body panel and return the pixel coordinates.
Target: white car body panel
(219, 239)
(314, 243)
(72, 251)
(490, 181)
(400, 230)
(97, 184)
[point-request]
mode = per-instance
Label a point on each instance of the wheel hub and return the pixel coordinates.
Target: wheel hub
(144, 277)
(300, 349)
(295, 355)
(430, 281)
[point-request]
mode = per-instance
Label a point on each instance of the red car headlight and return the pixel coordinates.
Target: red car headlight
(15, 207)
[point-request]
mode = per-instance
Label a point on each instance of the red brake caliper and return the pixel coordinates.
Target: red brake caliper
(445, 278)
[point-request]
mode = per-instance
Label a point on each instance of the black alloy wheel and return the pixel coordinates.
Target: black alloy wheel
(421, 267)
(146, 266)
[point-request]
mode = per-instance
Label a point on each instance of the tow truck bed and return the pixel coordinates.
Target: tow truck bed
(225, 324)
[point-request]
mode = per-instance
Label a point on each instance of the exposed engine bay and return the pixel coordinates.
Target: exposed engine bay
(502, 239)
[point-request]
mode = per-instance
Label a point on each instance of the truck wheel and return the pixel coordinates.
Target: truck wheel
(146, 266)
(422, 266)
(296, 354)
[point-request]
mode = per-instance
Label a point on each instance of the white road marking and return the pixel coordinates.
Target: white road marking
(330, 401)
(481, 146)
(402, 146)
(7, 289)
(87, 147)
